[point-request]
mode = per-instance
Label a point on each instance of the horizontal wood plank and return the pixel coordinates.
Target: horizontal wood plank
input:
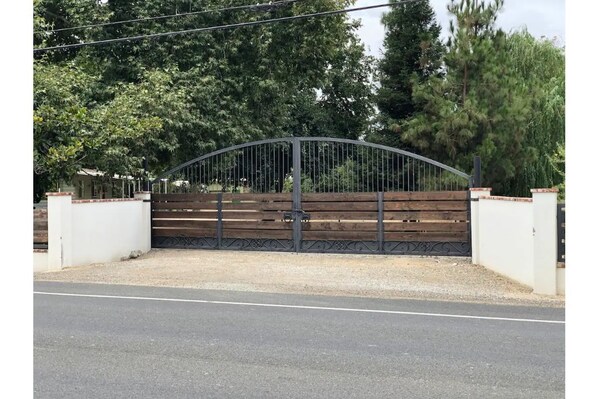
(339, 206)
(259, 234)
(258, 206)
(167, 232)
(40, 237)
(226, 215)
(185, 205)
(339, 226)
(343, 215)
(40, 224)
(437, 227)
(338, 197)
(256, 197)
(185, 223)
(425, 196)
(426, 215)
(433, 237)
(185, 197)
(426, 206)
(184, 214)
(340, 235)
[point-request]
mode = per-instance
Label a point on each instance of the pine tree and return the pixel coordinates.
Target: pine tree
(412, 51)
(480, 106)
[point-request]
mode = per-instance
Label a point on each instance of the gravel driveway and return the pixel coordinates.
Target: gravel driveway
(379, 276)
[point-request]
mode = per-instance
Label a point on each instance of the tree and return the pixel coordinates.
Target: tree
(212, 89)
(413, 51)
(480, 107)
(540, 67)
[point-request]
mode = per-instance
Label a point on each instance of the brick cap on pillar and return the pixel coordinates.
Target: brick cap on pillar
(544, 190)
(61, 194)
(480, 189)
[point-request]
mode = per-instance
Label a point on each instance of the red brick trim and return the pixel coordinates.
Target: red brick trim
(544, 190)
(39, 250)
(62, 194)
(90, 201)
(512, 199)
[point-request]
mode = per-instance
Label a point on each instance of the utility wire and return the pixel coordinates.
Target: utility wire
(221, 27)
(248, 6)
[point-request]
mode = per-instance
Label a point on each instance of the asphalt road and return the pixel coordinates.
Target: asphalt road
(108, 341)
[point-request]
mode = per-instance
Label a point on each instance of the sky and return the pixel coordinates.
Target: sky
(540, 17)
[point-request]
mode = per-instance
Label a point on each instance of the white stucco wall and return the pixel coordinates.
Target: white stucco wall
(506, 243)
(560, 281)
(40, 261)
(105, 231)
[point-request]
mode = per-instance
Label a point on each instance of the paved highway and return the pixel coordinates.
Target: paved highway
(108, 341)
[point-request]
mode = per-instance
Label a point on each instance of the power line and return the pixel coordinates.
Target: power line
(220, 27)
(256, 7)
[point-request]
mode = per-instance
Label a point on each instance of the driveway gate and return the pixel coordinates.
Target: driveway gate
(313, 195)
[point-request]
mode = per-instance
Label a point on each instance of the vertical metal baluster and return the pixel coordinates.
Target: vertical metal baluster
(219, 221)
(366, 150)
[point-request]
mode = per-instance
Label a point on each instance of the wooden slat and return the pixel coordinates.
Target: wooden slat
(339, 206)
(201, 197)
(257, 225)
(184, 232)
(277, 234)
(184, 205)
(343, 215)
(194, 197)
(426, 206)
(265, 197)
(452, 227)
(183, 214)
(435, 237)
(40, 237)
(426, 215)
(259, 206)
(425, 196)
(40, 224)
(339, 226)
(338, 197)
(340, 235)
(251, 215)
(186, 223)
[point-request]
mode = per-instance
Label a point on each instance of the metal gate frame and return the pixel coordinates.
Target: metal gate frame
(297, 216)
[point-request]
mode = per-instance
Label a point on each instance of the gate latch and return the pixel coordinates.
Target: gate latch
(289, 217)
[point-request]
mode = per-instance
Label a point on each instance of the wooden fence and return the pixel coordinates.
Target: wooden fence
(392, 216)
(40, 228)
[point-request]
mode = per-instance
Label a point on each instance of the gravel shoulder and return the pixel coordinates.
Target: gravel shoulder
(374, 276)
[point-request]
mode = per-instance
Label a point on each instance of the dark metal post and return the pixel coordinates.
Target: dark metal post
(219, 224)
(145, 176)
(477, 171)
(297, 193)
(380, 196)
(560, 228)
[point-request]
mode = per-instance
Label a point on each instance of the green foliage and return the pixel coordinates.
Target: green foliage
(481, 107)
(413, 51)
(557, 162)
(540, 67)
(177, 97)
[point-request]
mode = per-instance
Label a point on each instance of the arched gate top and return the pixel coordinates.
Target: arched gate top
(300, 140)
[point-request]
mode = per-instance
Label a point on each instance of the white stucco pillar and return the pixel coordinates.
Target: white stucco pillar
(545, 240)
(475, 194)
(146, 217)
(60, 230)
